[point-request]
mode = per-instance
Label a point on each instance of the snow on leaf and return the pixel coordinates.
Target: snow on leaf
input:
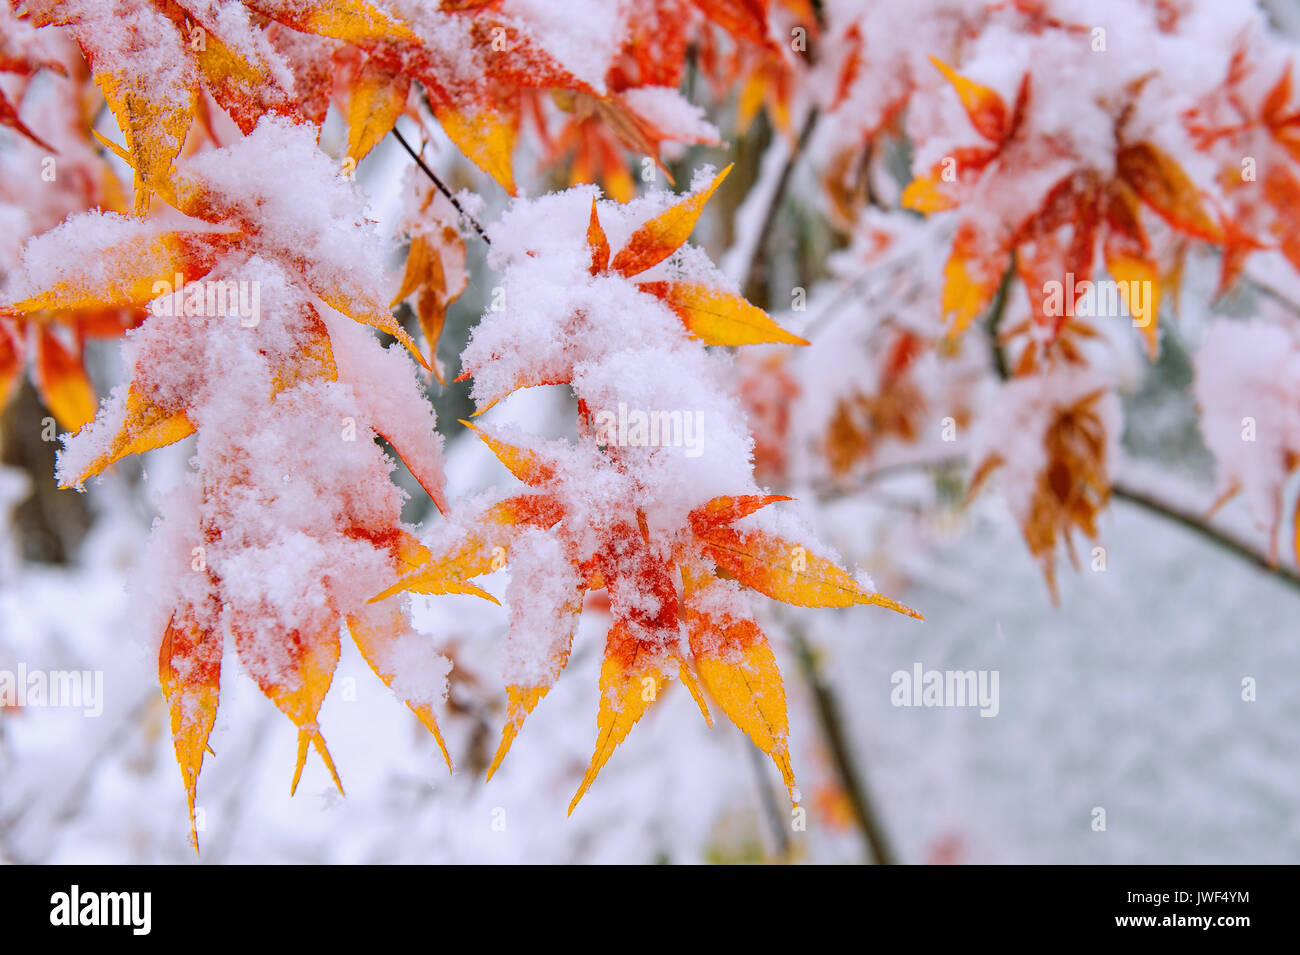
(128, 269)
(544, 611)
(145, 426)
(474, 551)
(661, 236)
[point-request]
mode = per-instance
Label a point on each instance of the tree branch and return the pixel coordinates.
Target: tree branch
(1186, 517)
(1214, 535)
(1121, 489)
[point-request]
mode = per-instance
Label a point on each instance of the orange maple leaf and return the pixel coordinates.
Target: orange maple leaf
(642, 654)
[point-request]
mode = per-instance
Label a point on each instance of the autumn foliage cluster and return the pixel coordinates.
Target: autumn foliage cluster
(986, 169)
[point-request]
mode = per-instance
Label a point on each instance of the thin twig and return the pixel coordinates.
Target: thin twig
(1215, 535)
(998, 311)
(1123, 490)
(441, 186)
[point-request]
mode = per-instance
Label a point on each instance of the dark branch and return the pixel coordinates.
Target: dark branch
(1193, 522)
(433, 176)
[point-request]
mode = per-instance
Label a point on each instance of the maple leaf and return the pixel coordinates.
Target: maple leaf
(189, 672)
(598, 130)
(1070, 485)
(376, 98)
(233, 52)
(293, 667)
(1088, 206)
(300, 369)
(641, 649)
(768, 77)
(62, 382)
(895, 409)
(1231, 123)
(140, 258)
